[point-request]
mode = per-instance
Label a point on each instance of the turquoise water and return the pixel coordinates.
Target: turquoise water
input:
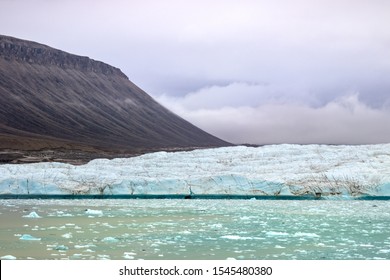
(194, 229)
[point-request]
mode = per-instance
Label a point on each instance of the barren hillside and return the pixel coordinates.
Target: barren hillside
(53, 100)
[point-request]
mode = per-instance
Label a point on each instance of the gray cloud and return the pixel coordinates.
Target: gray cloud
(345, 120)
(281, 68)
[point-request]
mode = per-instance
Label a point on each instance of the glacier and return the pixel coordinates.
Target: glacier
(324, 171)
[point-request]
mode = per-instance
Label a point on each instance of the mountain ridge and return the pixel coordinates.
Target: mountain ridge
(32, 52)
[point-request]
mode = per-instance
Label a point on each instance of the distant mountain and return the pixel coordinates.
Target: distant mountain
(55, 101)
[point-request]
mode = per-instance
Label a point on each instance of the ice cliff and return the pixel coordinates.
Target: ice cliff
(292, 170)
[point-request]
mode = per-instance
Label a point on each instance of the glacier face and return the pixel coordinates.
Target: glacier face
(295, 170)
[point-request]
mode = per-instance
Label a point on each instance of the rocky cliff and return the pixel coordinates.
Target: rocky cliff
(53, 100)
(13, 49)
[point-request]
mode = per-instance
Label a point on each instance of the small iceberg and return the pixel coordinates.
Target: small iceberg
(29, 237)
(103, 257)
(61, 248)
(8, 257)
(94, 212)
(232, 237)
(306, 234)
(32, 215)
(110, 239)
(236, 237)
(129, 255)
(276, 233)
(84, 246)
(67, 235)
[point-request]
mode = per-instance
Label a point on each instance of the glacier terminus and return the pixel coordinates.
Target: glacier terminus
(319, 171)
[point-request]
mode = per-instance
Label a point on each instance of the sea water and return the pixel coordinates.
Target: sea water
(194, 229)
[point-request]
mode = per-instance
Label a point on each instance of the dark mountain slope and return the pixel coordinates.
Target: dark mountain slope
(58, 100)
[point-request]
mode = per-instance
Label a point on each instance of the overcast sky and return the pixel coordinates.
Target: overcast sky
(298, 71)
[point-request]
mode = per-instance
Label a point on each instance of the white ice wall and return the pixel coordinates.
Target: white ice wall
(268, 170)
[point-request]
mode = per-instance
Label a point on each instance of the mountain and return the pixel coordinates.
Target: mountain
(58, 105)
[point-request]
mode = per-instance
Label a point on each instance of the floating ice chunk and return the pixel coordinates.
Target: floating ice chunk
(89, 251)
(33, 215)
(77, 256)
(103, 257)
(8, 257)
(67, 235)
(130, 253)
(110, 239)
(94, 212)
(84, 246)
(61, 248)
(35, 228)
(128, 256)
(29, 237)
(216, 226)
(384, 251)
(236, 237)
(276, 233)
(66, 215)
(232, 237)
(301, 251)
(366, 245)
(306, 234)
(63, 214)
(108, 225)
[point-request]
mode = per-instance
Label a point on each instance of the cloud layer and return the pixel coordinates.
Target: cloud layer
(345, 120)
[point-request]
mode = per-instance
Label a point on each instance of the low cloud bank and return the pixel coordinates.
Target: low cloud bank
(272, 120)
